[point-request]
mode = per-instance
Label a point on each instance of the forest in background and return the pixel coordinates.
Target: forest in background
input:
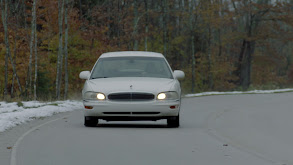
(221, 45)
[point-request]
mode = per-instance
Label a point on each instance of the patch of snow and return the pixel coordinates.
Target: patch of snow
(12, 115)
(238, 92)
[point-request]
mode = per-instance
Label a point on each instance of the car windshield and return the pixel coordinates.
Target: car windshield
(131, 67)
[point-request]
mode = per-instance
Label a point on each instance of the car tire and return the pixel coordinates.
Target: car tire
(90, 121)
(173, 122)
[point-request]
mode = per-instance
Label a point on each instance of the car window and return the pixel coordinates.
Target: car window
(131, 67)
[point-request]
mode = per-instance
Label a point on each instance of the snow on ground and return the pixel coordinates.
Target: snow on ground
(13, 114)
(238, 92)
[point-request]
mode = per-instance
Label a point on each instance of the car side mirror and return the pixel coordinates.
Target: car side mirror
(178, 74)
(84, 75)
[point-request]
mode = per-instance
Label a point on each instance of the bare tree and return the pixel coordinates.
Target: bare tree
(191, 28)
(209, 40)
(4, 20)
(135, 24)
(66, 49)
(118, 15)
(35, 49)
(32, 47)
(109, 18)
(8, 55)
(13, 77)
(146, 3)
(251, 23)
(165, 26)
(60, 48)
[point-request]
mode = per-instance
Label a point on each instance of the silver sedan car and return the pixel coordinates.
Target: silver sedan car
(131, 85)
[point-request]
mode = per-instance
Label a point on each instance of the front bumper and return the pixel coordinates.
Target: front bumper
(124, 110)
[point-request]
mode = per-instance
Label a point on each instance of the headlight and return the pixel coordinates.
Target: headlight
(168, 96)
(94, 96)
(161, 96)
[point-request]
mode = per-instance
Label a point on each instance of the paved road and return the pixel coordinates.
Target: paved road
(215, 130)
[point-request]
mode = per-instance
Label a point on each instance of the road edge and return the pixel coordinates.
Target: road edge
(16, 144)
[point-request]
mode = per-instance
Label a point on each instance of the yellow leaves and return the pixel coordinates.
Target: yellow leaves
(211, 14)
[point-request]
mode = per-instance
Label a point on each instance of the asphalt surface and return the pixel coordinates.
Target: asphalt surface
(215, 130)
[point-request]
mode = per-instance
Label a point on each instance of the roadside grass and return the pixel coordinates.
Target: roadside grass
(20, 104)
(29, 107)
(54, 104)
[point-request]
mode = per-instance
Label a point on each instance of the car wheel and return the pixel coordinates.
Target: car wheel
(173, 122)
(90, 121)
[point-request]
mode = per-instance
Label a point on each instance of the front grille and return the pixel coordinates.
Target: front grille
(131, 96)
(117, 113)
(131, 113)
(145, 113)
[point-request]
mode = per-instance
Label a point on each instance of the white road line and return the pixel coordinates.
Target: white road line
(13, 160)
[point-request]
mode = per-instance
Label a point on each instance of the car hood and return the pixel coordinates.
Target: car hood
(130, 84)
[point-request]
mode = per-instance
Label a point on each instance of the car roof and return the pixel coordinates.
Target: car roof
(131, 53)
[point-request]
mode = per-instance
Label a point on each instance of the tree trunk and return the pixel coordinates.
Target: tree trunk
(220, 42)
(118, 24)
(221, 13)
(177, 23)
(31, 47)
(8, 55)
(66, 50)
(60, 48)
(210, 75)
(14, 58)
(180, 29)
(247, 49)
(12, 86)
(35, 49)
(135, 24)
(36, 66)
(191, 21)
(4, 20)
(245, 63)
(15, 73)
(27, 37)
(146, 25)
(109, 19)
(165, 27)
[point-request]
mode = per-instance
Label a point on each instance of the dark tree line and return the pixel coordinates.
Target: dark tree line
(220, 44)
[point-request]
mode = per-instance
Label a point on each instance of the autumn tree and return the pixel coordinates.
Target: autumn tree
(219, 44)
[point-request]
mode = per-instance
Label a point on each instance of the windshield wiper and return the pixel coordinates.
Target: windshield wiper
(98, 77)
